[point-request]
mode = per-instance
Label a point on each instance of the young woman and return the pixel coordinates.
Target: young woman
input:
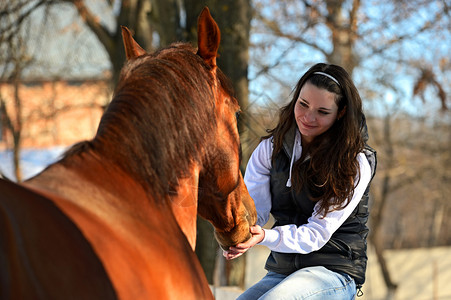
(312, 173)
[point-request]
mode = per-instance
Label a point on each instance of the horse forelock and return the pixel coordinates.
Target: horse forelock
(160, 117)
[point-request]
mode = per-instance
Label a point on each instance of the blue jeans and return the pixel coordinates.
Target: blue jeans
(314, 283)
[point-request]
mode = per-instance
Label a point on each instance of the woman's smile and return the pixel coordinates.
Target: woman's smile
(307, 126)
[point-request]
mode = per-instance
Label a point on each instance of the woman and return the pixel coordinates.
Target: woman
(312, 173)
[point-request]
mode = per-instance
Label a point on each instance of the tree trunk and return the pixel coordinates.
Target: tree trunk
(344, 34)
(16, 128)
(165, 19)
(377, 213)
(206, 248)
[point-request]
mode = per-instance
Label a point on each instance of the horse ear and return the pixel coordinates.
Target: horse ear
(208, 37)
(132, 49)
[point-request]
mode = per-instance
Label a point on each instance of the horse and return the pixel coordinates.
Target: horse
(115, 216)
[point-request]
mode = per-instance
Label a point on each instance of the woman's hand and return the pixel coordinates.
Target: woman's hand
(258, 234)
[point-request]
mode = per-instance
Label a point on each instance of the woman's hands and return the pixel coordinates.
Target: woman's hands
(258, 234)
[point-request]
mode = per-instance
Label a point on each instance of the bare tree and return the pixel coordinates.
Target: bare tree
(20, 64)
(14, 60)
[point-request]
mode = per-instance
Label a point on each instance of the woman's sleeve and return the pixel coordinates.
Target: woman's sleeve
(317, 231)
(257, 179)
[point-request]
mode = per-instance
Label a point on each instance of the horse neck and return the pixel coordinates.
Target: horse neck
(88, 172)
(181, 196)
(182, 201)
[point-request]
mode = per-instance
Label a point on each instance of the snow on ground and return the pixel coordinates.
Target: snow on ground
(33, 161)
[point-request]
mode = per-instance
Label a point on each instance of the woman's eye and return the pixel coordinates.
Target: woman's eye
(303, 104)
(324, 112)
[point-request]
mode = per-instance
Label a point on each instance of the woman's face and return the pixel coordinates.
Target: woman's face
(315, 111)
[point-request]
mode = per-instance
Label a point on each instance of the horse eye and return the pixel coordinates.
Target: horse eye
(237, 115)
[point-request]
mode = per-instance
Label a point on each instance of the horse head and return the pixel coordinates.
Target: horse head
(222, 197)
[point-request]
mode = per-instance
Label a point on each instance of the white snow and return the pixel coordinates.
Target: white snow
(33, 161)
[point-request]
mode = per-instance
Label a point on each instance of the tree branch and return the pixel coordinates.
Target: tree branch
(94, 24)
(399, 38)
(18, 21)
(277, 31)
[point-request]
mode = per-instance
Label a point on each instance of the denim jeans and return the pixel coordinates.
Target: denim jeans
(314, 283)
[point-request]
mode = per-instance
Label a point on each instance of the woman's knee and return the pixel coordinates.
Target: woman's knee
(268, 282)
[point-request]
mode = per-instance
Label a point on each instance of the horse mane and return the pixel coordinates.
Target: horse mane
(160, 117)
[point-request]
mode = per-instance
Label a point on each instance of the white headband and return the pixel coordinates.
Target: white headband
(330, 76)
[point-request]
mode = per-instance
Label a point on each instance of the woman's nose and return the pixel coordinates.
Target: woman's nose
(309, 116)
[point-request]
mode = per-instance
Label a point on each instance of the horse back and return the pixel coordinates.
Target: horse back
(43, 254)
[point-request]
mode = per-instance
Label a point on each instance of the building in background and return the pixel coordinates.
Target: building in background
(53, 113)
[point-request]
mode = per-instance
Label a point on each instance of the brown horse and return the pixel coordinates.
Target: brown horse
(116, 216)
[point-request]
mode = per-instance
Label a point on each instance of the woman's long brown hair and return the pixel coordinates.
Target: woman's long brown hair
(331, 171)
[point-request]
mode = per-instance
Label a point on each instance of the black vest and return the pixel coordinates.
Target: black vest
(345, 252)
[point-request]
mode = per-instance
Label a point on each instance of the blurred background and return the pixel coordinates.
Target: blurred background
(60, 59)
